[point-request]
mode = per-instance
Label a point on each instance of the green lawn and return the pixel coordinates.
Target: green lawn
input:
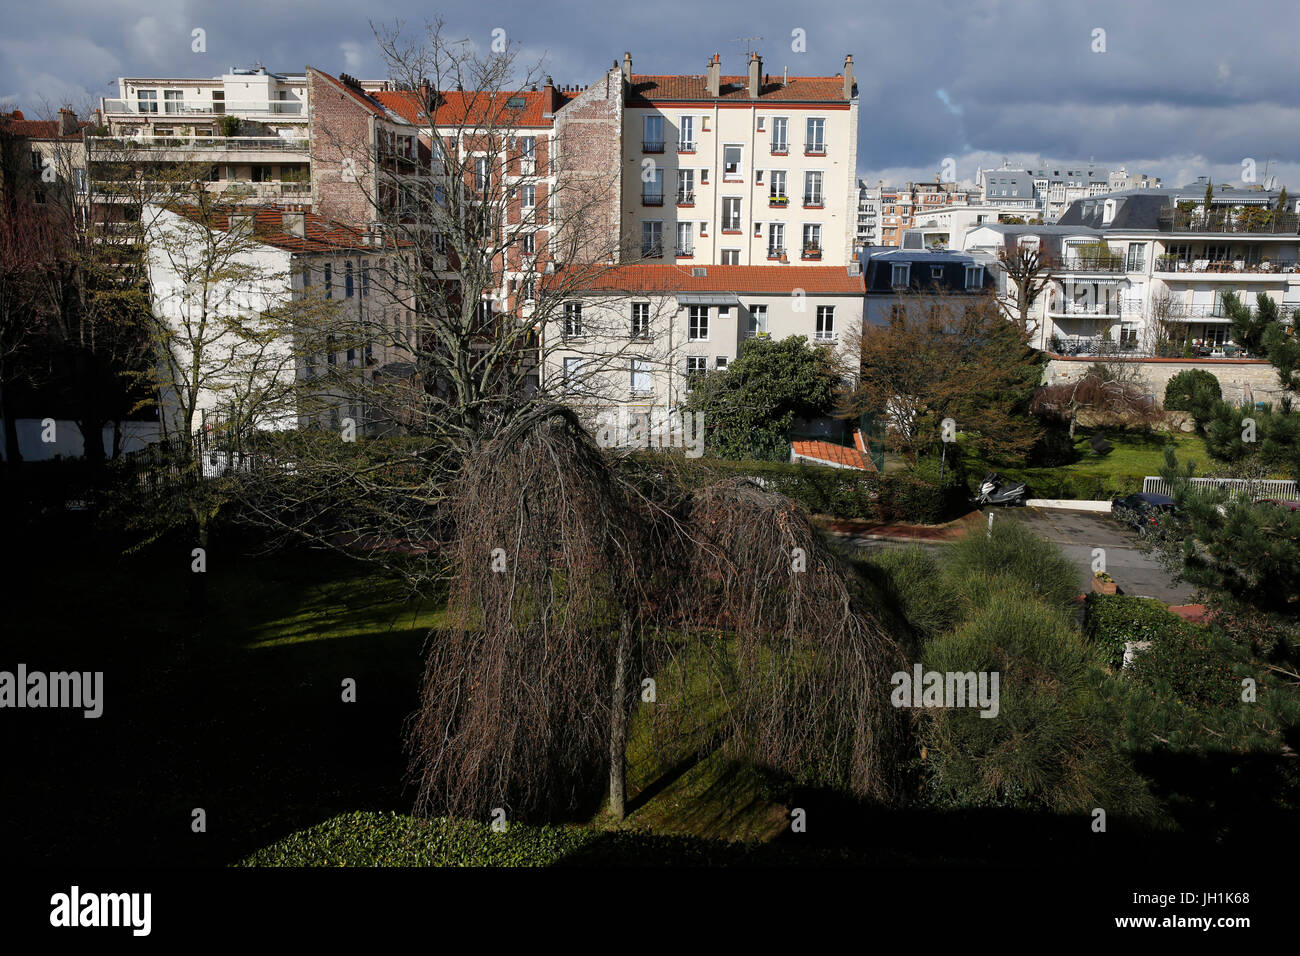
(1134, 455)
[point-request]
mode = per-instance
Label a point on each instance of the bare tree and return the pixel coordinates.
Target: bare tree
(1029, 272)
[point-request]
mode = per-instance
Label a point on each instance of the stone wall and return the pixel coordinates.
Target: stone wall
(1242, 380)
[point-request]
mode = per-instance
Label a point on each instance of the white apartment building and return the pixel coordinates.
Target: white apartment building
(1161, 269)
(868, 227)
(271, 257)
(663, 325)
(248, 126)
(1048, 189)
(740, 170)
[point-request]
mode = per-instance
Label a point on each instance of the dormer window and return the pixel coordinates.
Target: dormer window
(1108, 211)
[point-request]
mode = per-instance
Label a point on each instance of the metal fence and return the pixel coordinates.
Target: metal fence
(1255, 488)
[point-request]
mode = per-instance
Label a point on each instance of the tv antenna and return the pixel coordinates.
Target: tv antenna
(748, 41)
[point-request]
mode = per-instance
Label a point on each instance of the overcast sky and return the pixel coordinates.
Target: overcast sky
(1174, 89)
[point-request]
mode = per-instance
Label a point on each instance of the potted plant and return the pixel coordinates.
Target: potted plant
(1103, 583)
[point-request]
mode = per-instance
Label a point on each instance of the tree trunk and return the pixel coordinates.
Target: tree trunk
(1073, 419)
(13, 455)
(618, 721)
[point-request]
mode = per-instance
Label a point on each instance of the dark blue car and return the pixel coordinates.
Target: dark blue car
(1141, 511)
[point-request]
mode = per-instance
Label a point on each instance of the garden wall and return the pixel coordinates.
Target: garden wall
(1242, 380)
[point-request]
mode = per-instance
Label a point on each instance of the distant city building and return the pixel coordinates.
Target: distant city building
(1049, 189)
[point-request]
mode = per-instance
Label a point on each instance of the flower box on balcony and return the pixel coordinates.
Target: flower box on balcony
(778, 201)
(812, 252)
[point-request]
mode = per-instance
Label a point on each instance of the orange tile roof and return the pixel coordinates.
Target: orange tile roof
(16, 125)
(470, 108)
(645, 89)
(323, 235)
(830, 452)
(814, 280)
(366, 99)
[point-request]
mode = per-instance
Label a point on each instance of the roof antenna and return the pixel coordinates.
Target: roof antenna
(748, 41)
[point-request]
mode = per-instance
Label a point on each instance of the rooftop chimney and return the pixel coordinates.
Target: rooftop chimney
(714, 78)
(848, 76)
(627, 65)
(294, 222)
(550, 98)
(67, 122)
(755, 74)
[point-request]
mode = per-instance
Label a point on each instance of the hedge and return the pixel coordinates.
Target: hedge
(1112, 620)
(842, 492)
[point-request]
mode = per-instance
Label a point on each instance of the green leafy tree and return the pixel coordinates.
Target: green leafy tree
(1194, 390)
(749, 407)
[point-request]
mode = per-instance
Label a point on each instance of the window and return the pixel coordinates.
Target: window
(482, 174)
(776, 191)
(572, 373)
(974, 277)
(572, 319)
(825, 331)
(528, 155)
(731, 213)
(652, 138)
(365, 281)
(780, 134)
(640, 320)
(147, 101)
(757, 321)
(775, 238)
(812, 239)
(897, 313)
(812, 188)
(528, 288)
(528, 196)
(347, 279)
(529, 243)
(900, 274)
(173, 101)
(686, 134)
(720, 363)
(652, 239)
(816, 138)
(698, 323)
(652, 191)
(329, 281)
(641, 377)
(696, 366)
(685, 239)
(218, 101)
(936, 273)
(730, 257)
(1137, 254)
(685, 187)
(732, 157)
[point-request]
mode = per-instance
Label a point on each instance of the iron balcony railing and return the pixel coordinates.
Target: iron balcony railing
(652, 146)
(172, 143)
(652, 198)
(1247, 219)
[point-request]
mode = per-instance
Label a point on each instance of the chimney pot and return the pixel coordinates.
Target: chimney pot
(755, 76)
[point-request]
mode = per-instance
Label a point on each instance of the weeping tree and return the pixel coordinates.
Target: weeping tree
(576, 578)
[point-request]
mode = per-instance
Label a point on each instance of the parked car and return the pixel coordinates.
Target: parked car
(1142, 511)
(1288, 504)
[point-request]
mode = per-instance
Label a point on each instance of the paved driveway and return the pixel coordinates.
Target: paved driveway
(1076, 533)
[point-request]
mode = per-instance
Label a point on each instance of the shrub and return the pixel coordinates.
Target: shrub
(1047, 747)
(1111, 620)
(1194, 390)
(910, 580)
(1191, 665)
(1015, 552)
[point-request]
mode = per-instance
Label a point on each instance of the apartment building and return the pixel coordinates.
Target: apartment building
(642, 333)
(248, 127)
(740, 170)
(1047, 190)
(900, 206)
(868, 228)
(1144, 270)
(50, 154)
(273, 256)
(896, 280)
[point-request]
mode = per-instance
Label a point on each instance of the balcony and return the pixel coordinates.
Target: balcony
(776, 252)
(780, 148)
(814, 149)
(1255, 220)
(685, 252)
(156, 108)
(813, 201)
(652, 145)
(686, 199)
(1092, 264)
(652, 250)
(753, 333)
(1177, 264)
(652, 198)
(812, 250)
(778, 202)
(685, 146)
(229, 149)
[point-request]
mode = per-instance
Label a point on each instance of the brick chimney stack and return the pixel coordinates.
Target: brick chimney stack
(755, 75)
(848, 76)
(67, 122)
(714, 79)
(550, 98)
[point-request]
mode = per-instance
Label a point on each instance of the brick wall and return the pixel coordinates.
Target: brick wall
(589, 145)
(1239, 379)
(342, 132)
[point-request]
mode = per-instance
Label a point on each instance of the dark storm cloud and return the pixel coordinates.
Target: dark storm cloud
(1181, 87)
